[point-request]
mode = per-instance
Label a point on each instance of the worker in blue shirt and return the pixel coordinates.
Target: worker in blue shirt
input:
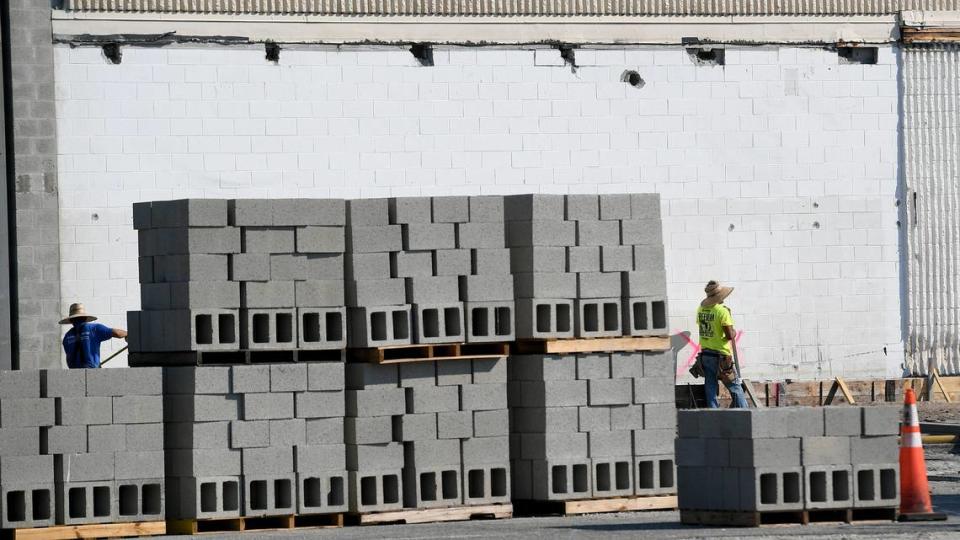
(82, 342)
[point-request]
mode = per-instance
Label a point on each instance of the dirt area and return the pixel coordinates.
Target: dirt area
(939, 412)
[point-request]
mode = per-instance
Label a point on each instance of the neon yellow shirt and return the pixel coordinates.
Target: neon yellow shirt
(711, 321)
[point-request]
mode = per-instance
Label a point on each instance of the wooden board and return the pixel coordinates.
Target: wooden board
(619, 344)
(621, 504)
(267, 523)
(102, 530)
(800, 517)
(434, 515)
(398, 354)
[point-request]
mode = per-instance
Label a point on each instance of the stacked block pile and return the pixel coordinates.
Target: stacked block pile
(245, 274)
(587, 265)
(416, 265)
(427, 434)
(592, 425)
(255, 440)
(788, 458)
(80, 447)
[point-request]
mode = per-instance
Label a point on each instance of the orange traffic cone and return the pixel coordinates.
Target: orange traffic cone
(914, 491)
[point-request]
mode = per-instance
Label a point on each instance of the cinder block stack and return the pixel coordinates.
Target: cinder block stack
(255, 440)
(788, 458)
(592, 425)
(587, 265)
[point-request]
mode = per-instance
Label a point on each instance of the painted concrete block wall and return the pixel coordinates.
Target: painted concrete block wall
(777, 171)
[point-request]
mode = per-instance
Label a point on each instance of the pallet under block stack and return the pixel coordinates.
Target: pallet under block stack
(741, 466)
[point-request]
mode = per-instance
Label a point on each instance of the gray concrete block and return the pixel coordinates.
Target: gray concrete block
(410, 210)
(303, 267)
(615, 206)
(645, 206)
(380, 239)
(250, 212)
(288, 377)
(368, 430)
(659, 363)
(65, 468)
(264, 328)
(249, 434)
(495, 261)
(375, 491)
(654, 475)
(541, 233)
(483, 397)
(376, 292)
(453, 209)
(489, 370)
(481, 235)
(486, 288)
(875, 450)
(418, 374)
(593, 366)
(322, 328)
(876, 485)
(68, 411)
(244, 379)
(141, 215)
(190, 295)
(560, 479)
(489, 321)
(84, 503)
(643, 284)
(427, 236)
(593, 419)
(270, 406)
(639, 232)
(691, 452)
(425, 399)
(612, 477)
(494, 423)
(368, 212)
(486, 208)
(269, 240)
(438, 323)
(28, 412)
(454, 372)
(610, 444)
(200, 329)
(582, 207)
(195, 267)
(372, 457)
(377, 402)
(432, 290)
(824, 450)
(455, 425)
(451, 262)
(554, 446)
(486, 450)
(314, 458)
(761, 452)
(717, 452)
(289, 432)
(415, 427)
(59, 440)
(189, 213)
(690, 492)
(409, 264)
(539, 285)
(20, 441)
(286, 212)
(196, 435)
(598, 233)
(583, 259)
(135, 465)
(616, 259)
(841, 421)
(268, 460)
(379, 326)
(881, 420)
(538, 259)
(610, 391)
(598, 285)
(654, 390)
(828, 486)
(648, 258)
(659, 416)
(325, 431)
(598, 317)
(545, 419)
(145, 269)
(648, 442)
(554, 393)
(432, 487)
(141, 500)
(805, 421)
(109, 438)
(365, 375)
(626, 417)
(626, 365)
(144, 437)
(315, 404)
(536, 206)
(55, 383)
(325, 376)
(204, 497)
(645, 316)
(183, 241)
(543, 367)
(320, 240)
(267, 294)
(367, 266)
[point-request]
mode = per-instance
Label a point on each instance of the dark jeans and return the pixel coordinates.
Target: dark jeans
(711, 366)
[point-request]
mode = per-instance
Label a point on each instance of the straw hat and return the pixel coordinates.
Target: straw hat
(77, 311)
(715, 293)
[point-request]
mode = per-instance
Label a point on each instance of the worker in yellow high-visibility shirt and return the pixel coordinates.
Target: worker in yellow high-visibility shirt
(717, 340)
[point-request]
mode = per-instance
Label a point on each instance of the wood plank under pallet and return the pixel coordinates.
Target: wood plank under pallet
(435, 515)
(398, 354)
(596, 506)
(618, 344)
(723, 518)
(99, 530)
(269, 523)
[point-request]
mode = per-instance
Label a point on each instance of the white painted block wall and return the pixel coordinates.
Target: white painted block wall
(778, 171)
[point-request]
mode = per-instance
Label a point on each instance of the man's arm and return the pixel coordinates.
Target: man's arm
(119, 333)
(729, 333)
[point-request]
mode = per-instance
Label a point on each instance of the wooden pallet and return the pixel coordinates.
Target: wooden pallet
(238, 524)
(98, 530)
(797, 517)
(200, 358)
(596, 506)
(567, 346)
(434, 515)
(398, 354)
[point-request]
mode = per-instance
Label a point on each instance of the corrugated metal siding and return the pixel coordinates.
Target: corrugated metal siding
(931, 130)
(517, 7)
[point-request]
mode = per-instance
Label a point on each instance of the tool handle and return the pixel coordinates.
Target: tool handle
(112, 356)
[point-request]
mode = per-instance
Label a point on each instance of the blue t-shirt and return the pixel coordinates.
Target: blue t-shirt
(87, 354)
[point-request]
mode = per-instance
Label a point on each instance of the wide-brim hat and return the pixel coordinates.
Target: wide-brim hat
(77, 311)
(716, 293)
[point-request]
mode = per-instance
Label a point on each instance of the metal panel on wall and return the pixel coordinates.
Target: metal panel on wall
(931, 139)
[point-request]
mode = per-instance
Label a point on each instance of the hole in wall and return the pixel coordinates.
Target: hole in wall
(568, 54)
(272, 51)
(707, 56)
(423, 53)
(112, 52)
(633, 78)
(857, 55)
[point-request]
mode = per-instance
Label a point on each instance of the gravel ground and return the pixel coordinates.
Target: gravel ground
(939, 412)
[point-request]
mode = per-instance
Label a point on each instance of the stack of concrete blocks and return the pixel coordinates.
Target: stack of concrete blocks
(587, 265)
(81, 447)
(188, 301)
(593, 425)
(255, 440)
(788, 458)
